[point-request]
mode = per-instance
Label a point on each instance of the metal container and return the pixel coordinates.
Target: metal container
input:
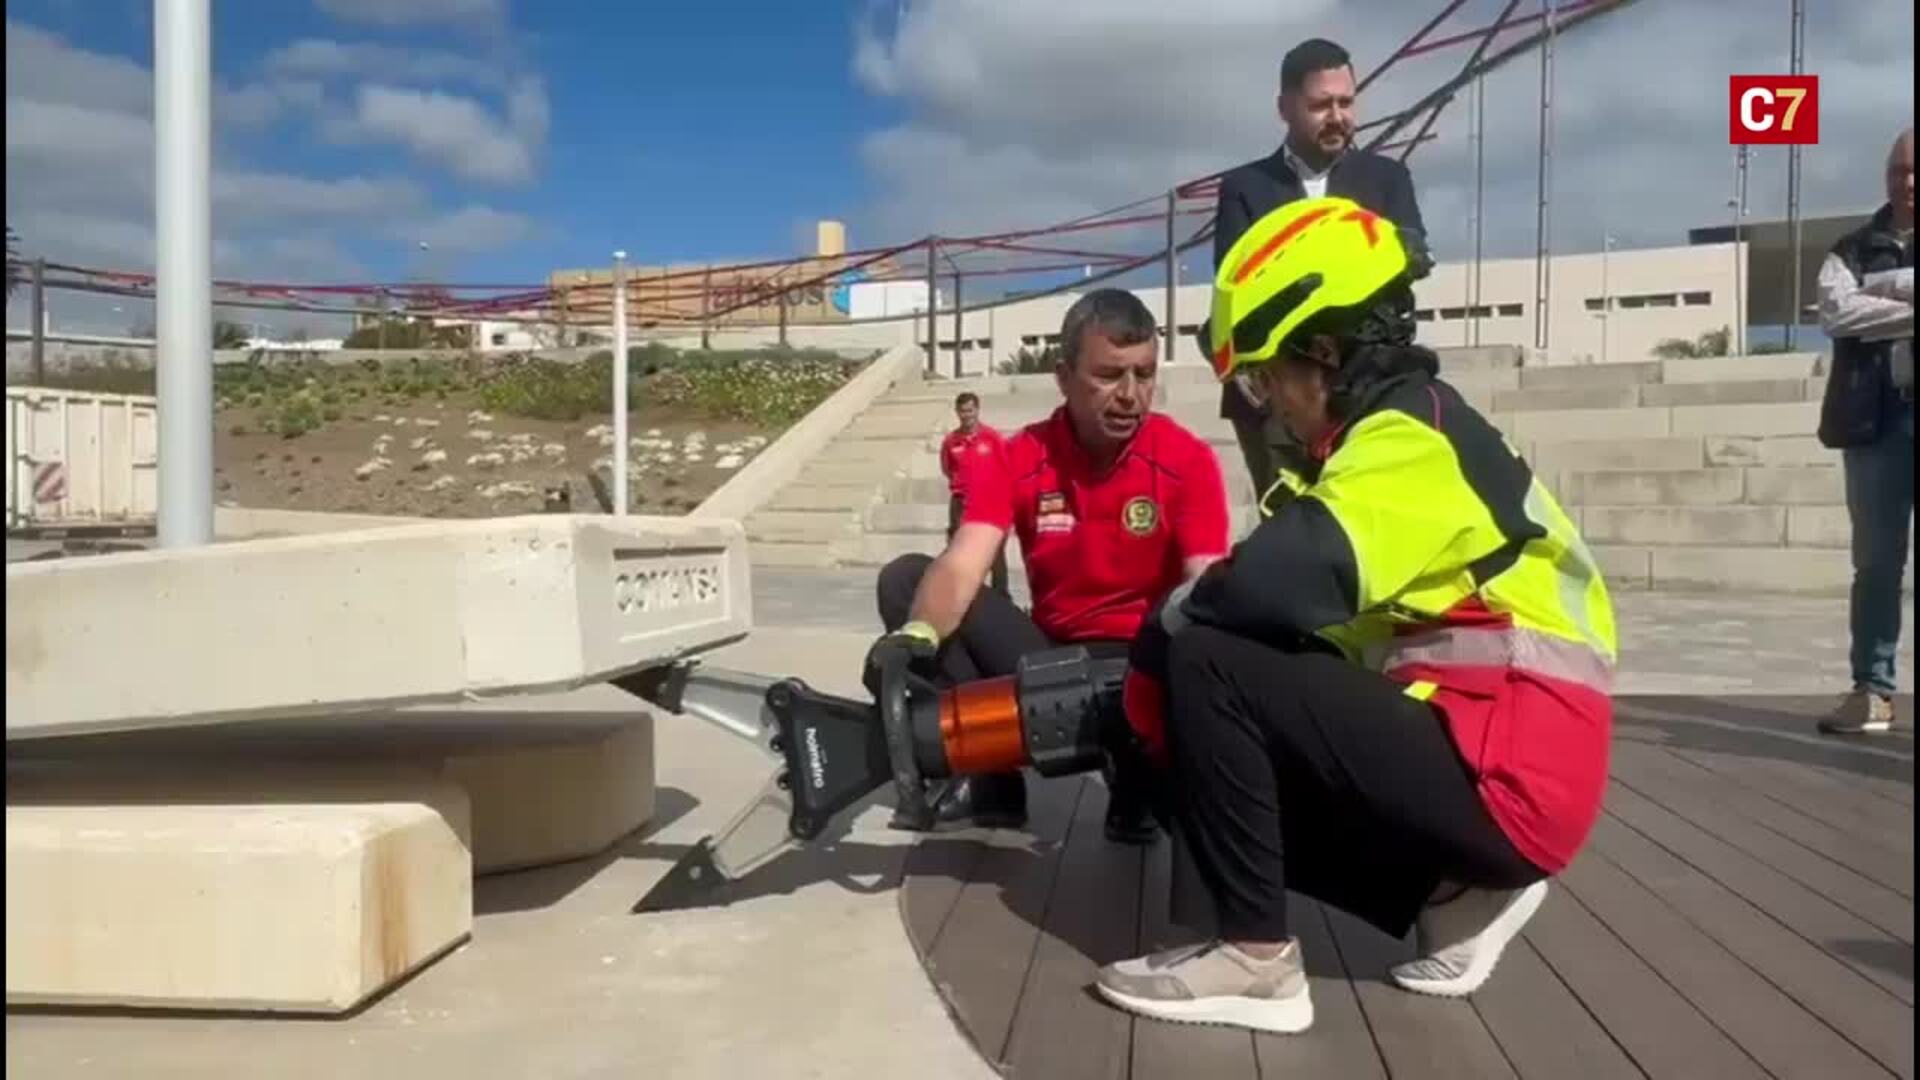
(80, 463)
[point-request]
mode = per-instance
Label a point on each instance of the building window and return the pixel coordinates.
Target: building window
(1663, 300)
(1596, 303)
(1189, 328)
(499, 339)
(1029, 339)
(1697, 299)
(1423, 315)
(1510, 311)
(1482, 311)
(1451, 314)
(1630, 302)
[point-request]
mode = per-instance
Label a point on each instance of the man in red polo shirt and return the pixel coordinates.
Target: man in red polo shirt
(1115, 505)
(965, 446)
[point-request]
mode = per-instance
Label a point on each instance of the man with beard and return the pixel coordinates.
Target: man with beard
(1317, 159)
(1115, 505)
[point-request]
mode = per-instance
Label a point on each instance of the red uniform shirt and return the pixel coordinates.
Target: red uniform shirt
(1102, 549)
(959, 452)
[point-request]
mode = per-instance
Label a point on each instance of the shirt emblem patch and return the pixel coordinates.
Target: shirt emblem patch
(1140, 515)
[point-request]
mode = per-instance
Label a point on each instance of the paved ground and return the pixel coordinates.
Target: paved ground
(809, 975)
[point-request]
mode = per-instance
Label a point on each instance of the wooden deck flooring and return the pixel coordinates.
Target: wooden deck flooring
(1744, 909)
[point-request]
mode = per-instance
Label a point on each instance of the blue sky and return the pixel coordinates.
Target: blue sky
(518, 137)
(671, 133)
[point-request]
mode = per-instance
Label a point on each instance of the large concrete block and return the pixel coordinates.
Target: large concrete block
(1566, 397)
(1590, 376)
(1806, 485)
(1661, 487)
(1567, 455)
(1790, 418)
(1727, 369)
(1746, 392)
(1752, 570)
(908, 518)
(1686, 525)
(538, 786)
(1483, 383)
(1560, 425)
(820, 497)
(420, 614)
(280, 893)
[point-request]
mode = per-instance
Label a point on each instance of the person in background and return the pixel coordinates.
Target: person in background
(1866, 308)
(967, 444)
(1316, 159)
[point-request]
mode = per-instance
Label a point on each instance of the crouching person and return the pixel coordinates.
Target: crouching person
(1394, 695)
(1114, 505)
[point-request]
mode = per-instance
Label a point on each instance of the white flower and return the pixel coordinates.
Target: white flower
(478, 417)
(486, 461)
(729, 462)
(480, 434)
(422, 421)
(419, 443)
(440, 483)
(554, 450)
(366, 470)
(433, 457)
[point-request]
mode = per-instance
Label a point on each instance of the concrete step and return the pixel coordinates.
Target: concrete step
(1813, 485)
(1589, 376)
(1721, 369)
(1755, 570)
(1744, 392)
(817, 497)
(782, 553)
(850, 471)
(1685, 526)
(1551, 457)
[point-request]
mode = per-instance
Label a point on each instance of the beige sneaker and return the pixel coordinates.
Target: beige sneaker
(1862, 712)
(1461, 940)
(1214, 984)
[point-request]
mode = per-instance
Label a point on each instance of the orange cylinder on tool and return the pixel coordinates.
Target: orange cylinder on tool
(980, 727)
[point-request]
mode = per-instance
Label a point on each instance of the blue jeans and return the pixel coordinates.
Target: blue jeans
(1880, 503)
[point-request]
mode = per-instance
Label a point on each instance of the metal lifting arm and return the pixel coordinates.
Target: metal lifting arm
(1058, 714)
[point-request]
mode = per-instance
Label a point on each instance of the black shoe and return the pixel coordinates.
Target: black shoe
(1129, 819)
(994, 801)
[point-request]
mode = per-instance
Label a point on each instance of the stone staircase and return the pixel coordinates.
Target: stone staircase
(1684, 474)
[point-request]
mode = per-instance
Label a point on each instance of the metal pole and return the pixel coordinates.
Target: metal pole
(1173, 276)
(706, 308)
(783, 318)
(1739, 202)
(959, 342)
(1479, 193)
(933, 307)
(183, 278)
(1542, 271)
(39, 322)
(1606, 294)
(620, 383)
(566, 313)
(1797, 66)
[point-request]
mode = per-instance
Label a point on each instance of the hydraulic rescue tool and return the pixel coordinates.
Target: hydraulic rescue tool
(1059, 714)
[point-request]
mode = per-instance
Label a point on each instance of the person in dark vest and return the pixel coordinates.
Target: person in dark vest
(1866, 308)
(1317, 159)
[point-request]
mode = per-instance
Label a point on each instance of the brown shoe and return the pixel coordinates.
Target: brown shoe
(1214, 983)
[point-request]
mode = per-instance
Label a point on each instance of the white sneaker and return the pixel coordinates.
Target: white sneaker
(1461, 940)
(1862, 712)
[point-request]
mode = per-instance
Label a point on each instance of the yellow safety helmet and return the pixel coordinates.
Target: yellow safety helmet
(1308, 257)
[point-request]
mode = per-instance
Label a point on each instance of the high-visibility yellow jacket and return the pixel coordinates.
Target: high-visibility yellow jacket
(1427, 550)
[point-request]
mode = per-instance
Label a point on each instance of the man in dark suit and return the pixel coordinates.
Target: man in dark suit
(1317, 90)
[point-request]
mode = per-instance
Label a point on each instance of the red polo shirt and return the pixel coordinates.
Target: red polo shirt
(1102, 549)
(959, 452)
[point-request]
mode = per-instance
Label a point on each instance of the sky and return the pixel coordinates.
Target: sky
(515, 138)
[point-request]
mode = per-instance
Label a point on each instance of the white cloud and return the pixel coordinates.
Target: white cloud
(323, 58)
(474, 229)
(417, 12)
(1021, 114)
(456, 132)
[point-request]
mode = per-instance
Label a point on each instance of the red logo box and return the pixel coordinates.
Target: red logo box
(1773, 110)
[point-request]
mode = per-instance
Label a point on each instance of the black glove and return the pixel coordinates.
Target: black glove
(899, 650)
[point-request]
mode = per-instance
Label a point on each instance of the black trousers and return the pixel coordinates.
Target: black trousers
(1302, 771)
(956, 504)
